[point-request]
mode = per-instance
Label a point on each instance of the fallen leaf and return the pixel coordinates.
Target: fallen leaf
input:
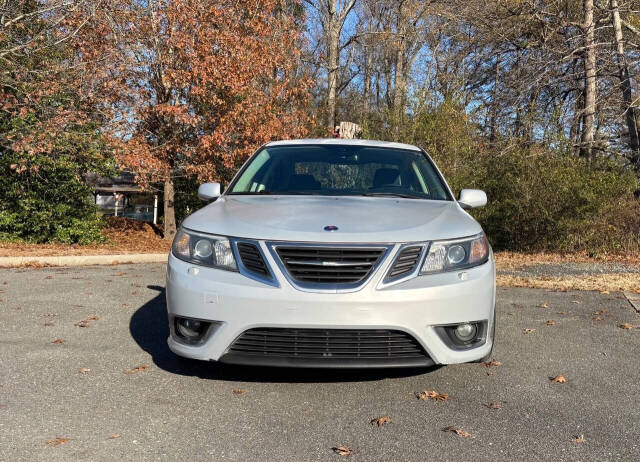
(457, 431)
(49, 277)
(58, 340)
(544, 305)
(140, 368)
(529, 331)
(380, 421)
(49, 324)
(626, 326)
(605, 292)
(597, 318)
(550, 323)
(575, 301)
(84, 370)
(492, 363)
(93, 318)
(56, 442)
(558, 379)
(83, 323)
(125, 304)
(433, 395)
(49, 315)
(114, 436)
(579, 439)
(493, 405)
(238, 391)
(562, 312)
(343, 451)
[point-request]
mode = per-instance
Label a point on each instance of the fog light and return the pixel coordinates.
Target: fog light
(466, 332)
(189, 328)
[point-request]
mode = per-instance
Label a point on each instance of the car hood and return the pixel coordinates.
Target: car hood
(359, 219)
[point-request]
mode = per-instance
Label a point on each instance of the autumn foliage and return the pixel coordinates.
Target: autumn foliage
(195, 87)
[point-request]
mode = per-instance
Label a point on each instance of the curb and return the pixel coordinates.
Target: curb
(81, 260)
(634, 300)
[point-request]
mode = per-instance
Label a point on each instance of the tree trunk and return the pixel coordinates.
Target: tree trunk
(368, 61)
(625, 80)
(493, 120)
(169, 210)
(399, 87)
(588, 125)
(333, 44)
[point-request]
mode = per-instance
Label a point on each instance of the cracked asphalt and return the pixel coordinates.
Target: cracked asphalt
(178, 410)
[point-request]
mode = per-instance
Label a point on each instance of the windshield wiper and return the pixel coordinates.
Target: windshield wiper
(390, 194)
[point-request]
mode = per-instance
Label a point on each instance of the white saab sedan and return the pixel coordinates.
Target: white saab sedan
(333, 253)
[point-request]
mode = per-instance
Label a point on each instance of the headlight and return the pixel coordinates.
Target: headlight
(204, 249)
(458, 254)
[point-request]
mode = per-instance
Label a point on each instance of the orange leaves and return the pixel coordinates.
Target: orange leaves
(458, 431)
(140, 368)
(344, 451)
(380, 421)
(432, 395)
(56, 441)
(528, 331)
(558, 379)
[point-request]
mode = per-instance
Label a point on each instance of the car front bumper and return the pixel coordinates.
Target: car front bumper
(416, 307)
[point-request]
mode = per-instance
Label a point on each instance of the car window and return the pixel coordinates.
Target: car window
(340, 170)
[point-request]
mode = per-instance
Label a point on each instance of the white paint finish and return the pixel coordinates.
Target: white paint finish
(359, 219)
(413, 306)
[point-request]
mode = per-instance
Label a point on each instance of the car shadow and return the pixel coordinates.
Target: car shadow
(149, 327)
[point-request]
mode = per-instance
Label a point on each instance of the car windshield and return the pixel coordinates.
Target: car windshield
(340, 170)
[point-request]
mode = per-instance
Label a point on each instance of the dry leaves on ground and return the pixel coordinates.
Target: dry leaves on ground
(558, 379)
(238, 391)
(140, 368)
(344, 451)
(84, 370)
(457, 431)
(114, 436)
(49, 324)
(58, 341)
(529, 331)
(56, 442)
(492, 363)
(550, 323)
(493, 405)
(626, 326)
(579, 439)
(432, 395)
(87, 321)
(544, 305)
(380, 421)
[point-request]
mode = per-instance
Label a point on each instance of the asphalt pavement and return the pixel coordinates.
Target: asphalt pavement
(85, 374)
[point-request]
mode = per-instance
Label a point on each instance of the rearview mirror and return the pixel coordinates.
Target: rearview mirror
(208, 191)
(471, 198)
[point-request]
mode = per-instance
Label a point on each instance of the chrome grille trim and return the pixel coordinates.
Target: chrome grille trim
(269, 279)
(373, 259)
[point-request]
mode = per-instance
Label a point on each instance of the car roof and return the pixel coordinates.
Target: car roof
(345, 142)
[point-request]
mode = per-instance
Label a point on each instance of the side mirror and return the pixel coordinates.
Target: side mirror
(208, 191)
(471, 198)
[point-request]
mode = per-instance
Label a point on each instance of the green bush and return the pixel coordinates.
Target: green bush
(47, 201)
(547, 201)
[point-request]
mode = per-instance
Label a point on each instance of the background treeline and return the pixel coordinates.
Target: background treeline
(533, 101)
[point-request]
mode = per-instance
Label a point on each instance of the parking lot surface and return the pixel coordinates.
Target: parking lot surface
(85, 374)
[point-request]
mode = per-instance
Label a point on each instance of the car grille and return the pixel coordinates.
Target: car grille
(329, 265)
(406, 262)
(252, 259)
(328, 344)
